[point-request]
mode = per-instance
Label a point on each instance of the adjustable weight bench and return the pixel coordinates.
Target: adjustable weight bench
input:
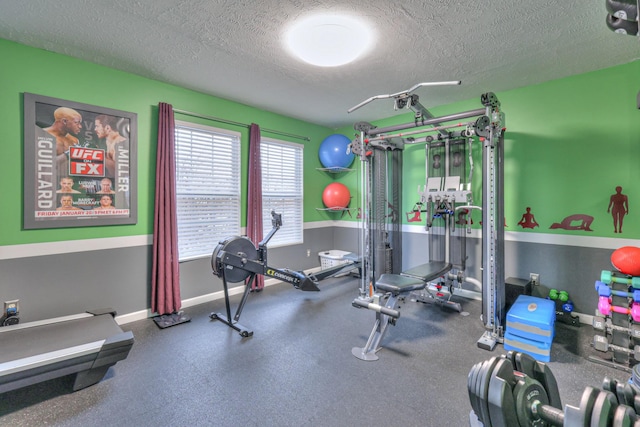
(85, 344)
(433, 294)
(394, 288)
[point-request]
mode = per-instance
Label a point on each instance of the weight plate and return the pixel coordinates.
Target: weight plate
(474, 389)
(527, 391)
(624, 416)
(622, 26)
(483, 386)
(625, 394)
(609, 384)
(623, 9)
(471, 383)
(635, 375)
(502, 407)
(478, 392)
(603, 409)
(581, 416)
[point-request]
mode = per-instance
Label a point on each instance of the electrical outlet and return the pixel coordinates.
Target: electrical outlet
(11, 308)
(535, 278)
(308, 253)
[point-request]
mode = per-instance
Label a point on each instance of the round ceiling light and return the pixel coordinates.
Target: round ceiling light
(329, 40)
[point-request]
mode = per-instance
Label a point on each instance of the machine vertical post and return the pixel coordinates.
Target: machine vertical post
(492, 237)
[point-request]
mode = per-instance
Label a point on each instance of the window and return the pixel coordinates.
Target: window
(207, 188)
(282, 189)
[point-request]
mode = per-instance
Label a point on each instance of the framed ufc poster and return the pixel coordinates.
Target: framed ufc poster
(80, 164)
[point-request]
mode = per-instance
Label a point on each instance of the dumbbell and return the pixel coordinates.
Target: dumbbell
(609, 277)
(561, 295)
(597, 408)
(490, 385)
(599, 323)
(567, 307)
(601, 343)
(515, 399)
(604, 290)
(606, 308)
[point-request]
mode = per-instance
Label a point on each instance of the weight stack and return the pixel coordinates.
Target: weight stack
(531, 327)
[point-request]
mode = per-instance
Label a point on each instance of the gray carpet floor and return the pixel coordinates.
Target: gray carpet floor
(297, 368)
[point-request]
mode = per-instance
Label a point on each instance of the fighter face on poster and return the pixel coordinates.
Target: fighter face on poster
(81, 152)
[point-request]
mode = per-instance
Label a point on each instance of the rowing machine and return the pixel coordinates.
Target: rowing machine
(236, 258)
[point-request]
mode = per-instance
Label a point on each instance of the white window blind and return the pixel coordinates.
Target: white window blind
(282, 189)
(207, 188)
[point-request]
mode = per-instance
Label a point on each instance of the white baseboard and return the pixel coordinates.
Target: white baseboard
(202, 299)
(586, 319)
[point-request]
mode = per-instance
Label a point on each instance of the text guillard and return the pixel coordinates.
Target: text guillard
(44, 171)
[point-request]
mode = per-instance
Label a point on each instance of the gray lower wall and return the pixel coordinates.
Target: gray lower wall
(569, 268)
(63, 284)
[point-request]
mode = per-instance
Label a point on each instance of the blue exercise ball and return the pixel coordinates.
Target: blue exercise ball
(334, 152)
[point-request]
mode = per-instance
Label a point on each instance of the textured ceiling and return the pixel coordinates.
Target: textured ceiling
(234, 48)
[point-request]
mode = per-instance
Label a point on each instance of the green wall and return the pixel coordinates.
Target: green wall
(37, 71)
(568, 144)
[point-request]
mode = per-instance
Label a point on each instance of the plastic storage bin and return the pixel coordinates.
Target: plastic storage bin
(332, 258)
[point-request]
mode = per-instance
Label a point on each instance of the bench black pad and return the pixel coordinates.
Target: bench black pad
(429, 271)
(397, 284)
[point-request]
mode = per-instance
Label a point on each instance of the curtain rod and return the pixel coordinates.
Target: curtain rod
(230, 122)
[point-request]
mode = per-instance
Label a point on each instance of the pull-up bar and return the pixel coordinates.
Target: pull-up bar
(403, 93)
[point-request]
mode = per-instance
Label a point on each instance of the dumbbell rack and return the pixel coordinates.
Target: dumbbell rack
(617, 334)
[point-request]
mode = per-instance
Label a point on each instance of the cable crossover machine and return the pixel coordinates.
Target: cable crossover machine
(447, 200)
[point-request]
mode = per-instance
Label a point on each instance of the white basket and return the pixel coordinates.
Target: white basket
(332, 258)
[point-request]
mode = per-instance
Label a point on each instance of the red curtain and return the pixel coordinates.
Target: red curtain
(254, 196)
(165, 275)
